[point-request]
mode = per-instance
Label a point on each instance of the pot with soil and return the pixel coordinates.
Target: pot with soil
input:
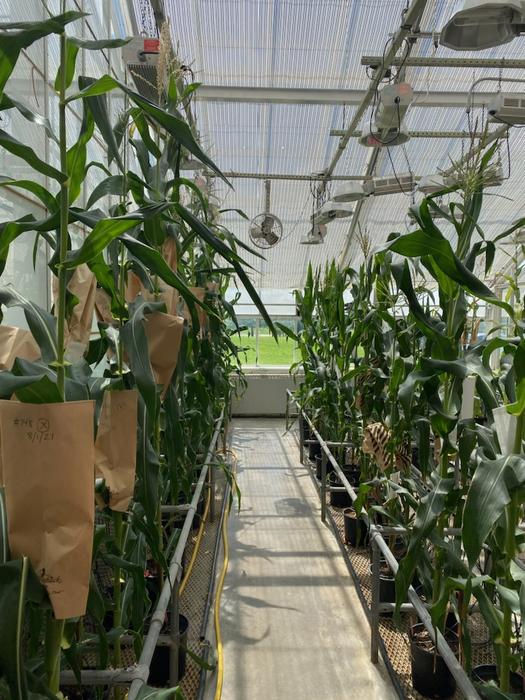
(341, 499)
(489, 672)
(159, 673)
(314, 450)
(356, 531)
(319, 467)
(387, 586)
(430, 674)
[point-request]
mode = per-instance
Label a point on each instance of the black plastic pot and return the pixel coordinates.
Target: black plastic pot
(314, 450)
(356, 531)
(489, 672)
(306, 428)
(341, 499)
(159, 674)
(430, 674)
(319, 467)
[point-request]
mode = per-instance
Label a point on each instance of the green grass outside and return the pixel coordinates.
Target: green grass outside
(270, 353)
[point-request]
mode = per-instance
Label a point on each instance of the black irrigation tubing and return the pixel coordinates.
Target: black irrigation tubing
(455, 668)
(138, 674)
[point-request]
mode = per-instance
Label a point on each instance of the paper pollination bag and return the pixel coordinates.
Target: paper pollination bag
(103, 307)
(200, 293)
(16, 342)
(164, 334)
(83, 285)
(116, 446)
(48, 469)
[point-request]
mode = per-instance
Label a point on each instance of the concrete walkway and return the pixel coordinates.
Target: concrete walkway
(292, 624)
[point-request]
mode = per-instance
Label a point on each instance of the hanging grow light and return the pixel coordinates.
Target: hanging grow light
(430, 184)
(442, 213)
(336, 210)
(382, 138)
(353, 191)
(482, 24)
(315, 235)
(394, 100)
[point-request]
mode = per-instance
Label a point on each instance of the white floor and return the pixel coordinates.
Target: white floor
(292, 624)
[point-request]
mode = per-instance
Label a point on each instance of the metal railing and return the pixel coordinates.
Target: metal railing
(380, 547)
(137, 675)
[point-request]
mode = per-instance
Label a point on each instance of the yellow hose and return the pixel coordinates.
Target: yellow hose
(217, 613)
(195, 552)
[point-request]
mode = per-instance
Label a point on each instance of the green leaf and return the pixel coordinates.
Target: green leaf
(487, 497)
(41, 323)
(176, 127)
(18, 587)
(156, 264)
(10, 103)
(136, 344)
(27, 154)
(102, 234)
(77, 156)
(427, 514)
(42, 391)
(47, 199)
(67, 69)
(98, 106)
(12, 43)
(114, 184)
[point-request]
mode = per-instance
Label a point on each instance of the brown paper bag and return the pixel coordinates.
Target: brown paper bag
(103, 307)
(16, 342)
(168, 295)
(200, 293)
(164, 334)
(83, 285)
(48, 465)
(116, 446)
(169, 253)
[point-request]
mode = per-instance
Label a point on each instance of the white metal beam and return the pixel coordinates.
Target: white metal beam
(231, 93)
(439, 62)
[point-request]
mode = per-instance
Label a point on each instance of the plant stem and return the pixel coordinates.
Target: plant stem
(55, 628)
(64, 220)
(53, 642)
(117, 610)
(512, 516)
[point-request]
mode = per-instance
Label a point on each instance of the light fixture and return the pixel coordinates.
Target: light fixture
(315, 235)
(482, 24)
(394, 100)
(384, 137)
(336, 210)
(442, 213)
(353, 191)
(430, 184)
(320, 217)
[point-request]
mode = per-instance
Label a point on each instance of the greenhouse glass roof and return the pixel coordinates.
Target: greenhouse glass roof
(317, 46)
